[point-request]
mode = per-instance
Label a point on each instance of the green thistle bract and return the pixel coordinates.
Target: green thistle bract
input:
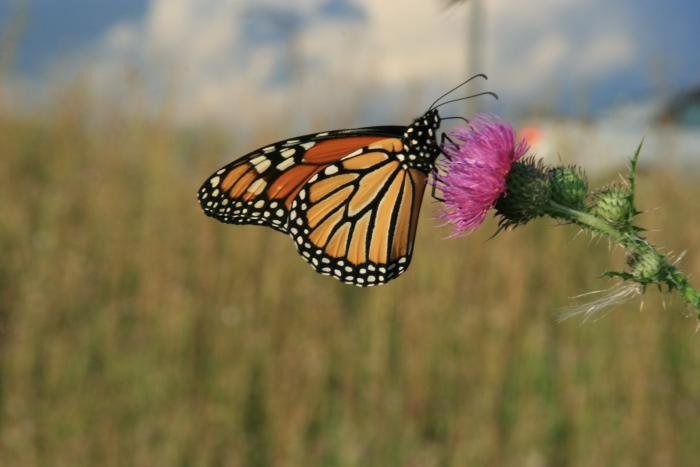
(527, 194)
(569, 186)
(613, 205)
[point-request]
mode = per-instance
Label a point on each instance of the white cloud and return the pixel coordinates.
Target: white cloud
(606, 53)
(201, 47)
(536, 66)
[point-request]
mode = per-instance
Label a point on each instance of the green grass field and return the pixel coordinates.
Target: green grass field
(135, 331)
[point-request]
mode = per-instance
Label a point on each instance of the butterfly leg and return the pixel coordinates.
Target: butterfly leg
(446, 137)
(443, 138)
(433, 190)
(436, 172)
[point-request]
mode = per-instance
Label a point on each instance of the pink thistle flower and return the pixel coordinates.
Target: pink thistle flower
(476, 170)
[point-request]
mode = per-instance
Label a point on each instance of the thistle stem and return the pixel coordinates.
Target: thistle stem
(586, 219)
(634, 243)
(689, 293)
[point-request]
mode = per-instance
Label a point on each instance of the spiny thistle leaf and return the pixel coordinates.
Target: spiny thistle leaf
(621, 274)
(632, 177)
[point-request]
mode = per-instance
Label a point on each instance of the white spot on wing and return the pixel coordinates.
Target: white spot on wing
(263, 166)
(357, 152)
(257, 186)
(257, 160)
(285, 164)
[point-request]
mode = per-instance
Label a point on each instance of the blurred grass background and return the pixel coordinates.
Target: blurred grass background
(134, 331)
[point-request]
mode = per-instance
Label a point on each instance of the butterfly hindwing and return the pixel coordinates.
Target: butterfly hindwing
(260, 187)
(356, 218)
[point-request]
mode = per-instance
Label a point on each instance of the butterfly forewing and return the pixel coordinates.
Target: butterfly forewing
(259, 187)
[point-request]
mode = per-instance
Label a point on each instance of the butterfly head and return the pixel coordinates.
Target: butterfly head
(420, 141)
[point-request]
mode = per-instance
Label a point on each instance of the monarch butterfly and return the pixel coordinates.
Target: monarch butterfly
(350, 199)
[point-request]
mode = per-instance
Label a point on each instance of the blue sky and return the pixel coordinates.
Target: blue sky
(549, 51)
(56, 26)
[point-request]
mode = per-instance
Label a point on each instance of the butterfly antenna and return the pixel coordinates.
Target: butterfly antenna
(485, 93)
(479, 75)
(455, 118)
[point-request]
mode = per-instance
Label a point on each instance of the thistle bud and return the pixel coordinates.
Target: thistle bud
(613, 204)
(569, 186)
(645, 266)
(527, 193)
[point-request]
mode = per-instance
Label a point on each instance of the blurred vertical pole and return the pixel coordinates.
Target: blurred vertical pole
(11, 30)
(283, 25)
(475, 63)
